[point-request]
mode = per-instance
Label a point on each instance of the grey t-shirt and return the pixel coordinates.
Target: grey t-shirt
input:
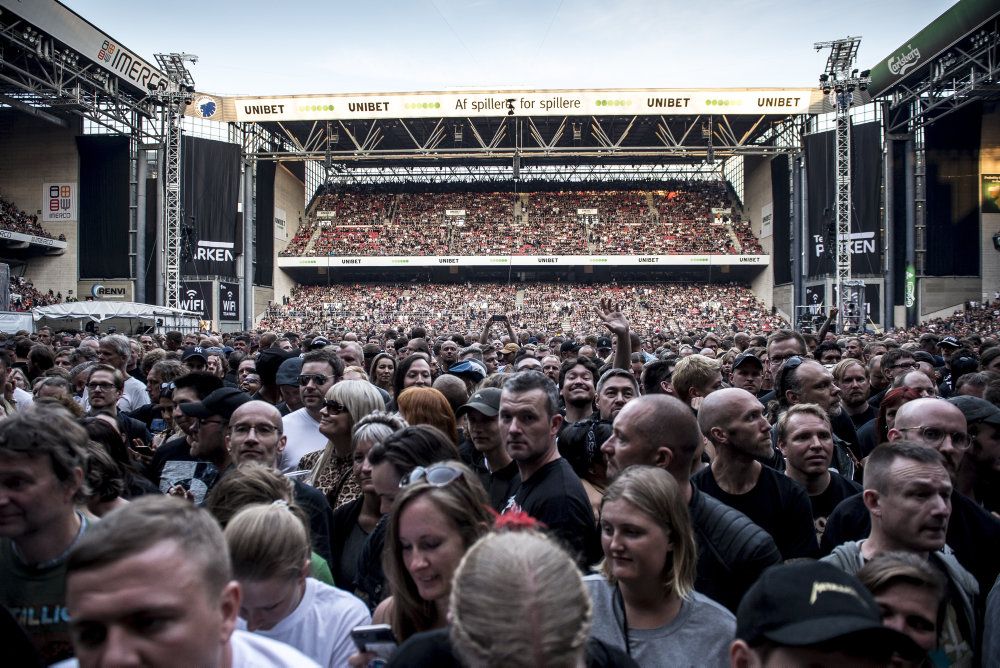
(699, 636)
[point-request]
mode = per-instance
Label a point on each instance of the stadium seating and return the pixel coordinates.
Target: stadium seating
(15, 220)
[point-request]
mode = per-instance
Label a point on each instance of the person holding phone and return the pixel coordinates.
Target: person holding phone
(271, 555)
(440, 512)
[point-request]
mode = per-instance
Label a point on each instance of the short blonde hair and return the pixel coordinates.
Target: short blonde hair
(267, 541)
(655, 493)
(693, 371)
(517, 600)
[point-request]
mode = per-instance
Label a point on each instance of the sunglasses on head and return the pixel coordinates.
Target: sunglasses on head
(436, 475)
(317, 378)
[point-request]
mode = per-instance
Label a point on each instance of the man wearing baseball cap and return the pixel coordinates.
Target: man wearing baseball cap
(195, 358)
(979, 471)
(747, 373)
(491, 461)
(211, 421)
(507, 354)
(811, 613)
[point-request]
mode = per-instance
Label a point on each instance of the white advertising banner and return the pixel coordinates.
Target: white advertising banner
(490, 104)
(527, 260)
(766, 220)
(59, 202)
(280, 225)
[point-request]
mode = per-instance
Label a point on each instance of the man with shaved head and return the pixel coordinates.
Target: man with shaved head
(659, 430)
(973, 534)
(255, 435)
(733, 420)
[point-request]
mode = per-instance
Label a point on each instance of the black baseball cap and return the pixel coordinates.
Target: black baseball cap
(485, 401)
(603, 342)
(977, 410)
(319, 342)
(746, 357)
(949, 342)
(810, 603)
(222, 402)
(196, 351)
(568, 347)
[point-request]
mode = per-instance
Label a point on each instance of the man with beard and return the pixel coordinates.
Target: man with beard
(748, 373)
(979, 471)
(209, 426)
(187, 388)
(105, 386)
(852, 379)
(320, 370)
(497, 471)
(733, 420)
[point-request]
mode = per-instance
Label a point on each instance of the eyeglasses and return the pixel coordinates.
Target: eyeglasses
(104, 387)
(334, 407)
(204, 421)
(317, 378)
(935, 436)
(906, 365)
(436, 475)
(261, 429)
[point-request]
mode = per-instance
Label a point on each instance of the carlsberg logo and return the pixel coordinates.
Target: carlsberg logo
(900, 64)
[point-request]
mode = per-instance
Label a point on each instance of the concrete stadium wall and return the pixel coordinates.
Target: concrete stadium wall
(757, 195)
(290, 195)
(33, 152)
(948, 293)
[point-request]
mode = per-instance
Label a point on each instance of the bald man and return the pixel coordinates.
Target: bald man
(973, 534)
(733, 421)
(660, 430)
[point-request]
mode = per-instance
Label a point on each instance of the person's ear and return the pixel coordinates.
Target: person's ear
(282, 442)
(741, 656)
(229, 607)
(871, 500)
(664, 457)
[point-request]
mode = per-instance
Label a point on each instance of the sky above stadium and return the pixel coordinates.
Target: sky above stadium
(265, 47)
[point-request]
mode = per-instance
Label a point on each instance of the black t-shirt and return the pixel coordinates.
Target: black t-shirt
(500, 485)
(776, 504)
(823, 503)
(860, 418)
(555, 496)
(973, 534)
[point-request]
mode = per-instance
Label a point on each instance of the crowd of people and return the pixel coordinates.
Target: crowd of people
(24, 296)
(682, 218)
(481, 489)
(14, 219)
(535, 307)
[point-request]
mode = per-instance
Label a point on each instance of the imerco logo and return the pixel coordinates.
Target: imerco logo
(129, 66)
(59, 202)
(900, 64)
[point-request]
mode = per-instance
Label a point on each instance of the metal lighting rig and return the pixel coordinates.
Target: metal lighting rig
(174, 98)
(840, 82)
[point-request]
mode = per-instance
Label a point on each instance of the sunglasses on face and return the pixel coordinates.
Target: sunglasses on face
(334, 407)
(437, 475)
(317, 378)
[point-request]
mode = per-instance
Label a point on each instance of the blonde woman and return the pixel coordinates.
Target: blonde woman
(644, 602)
(332, 468)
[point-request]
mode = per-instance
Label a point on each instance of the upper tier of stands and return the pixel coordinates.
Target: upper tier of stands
(24, 296)
(15, 220)
(675, 220)
(541, 307)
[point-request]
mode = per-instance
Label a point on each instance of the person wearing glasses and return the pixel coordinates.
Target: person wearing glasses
(918, 381)
(908, 495)
(644, 600)
(972, 533)
(331, 470)
(441, 510)
(895, 362)
(321, 369)
(105, 385)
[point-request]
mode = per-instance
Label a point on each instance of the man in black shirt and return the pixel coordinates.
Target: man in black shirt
(659, 430)
(805, 438)
(497, 471)
(851, 377)
(550, 491)
(733, 420)
(187, 389)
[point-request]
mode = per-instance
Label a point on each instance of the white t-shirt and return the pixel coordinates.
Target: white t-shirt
(251, 650)
(303, 437)
(320, 626)
(23, 399)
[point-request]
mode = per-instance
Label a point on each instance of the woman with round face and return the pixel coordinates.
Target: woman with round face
(270, 552)
(644, 601)
(382, 370)
(332, 467)
(415, 370)
(439, 513)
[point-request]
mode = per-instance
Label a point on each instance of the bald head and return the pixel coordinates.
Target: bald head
(718, 408)
(655, 430)
(918, 412)
(934, 423)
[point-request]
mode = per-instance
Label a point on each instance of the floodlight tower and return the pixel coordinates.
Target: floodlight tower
(175, 96)
(841, 81)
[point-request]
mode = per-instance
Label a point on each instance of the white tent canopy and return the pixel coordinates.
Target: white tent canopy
(124, 315)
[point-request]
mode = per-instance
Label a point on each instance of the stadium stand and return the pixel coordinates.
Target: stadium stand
(537, 307)
(24, 296)
(15, 220)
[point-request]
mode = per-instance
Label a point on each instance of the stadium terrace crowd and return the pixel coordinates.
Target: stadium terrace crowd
(535, 306)
(683, 218)
(616, 476)
(14, 219)
(24, 296)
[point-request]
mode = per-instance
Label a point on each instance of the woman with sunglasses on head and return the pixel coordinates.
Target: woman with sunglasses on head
(332, 468)
(440, 512)
(644, 601)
